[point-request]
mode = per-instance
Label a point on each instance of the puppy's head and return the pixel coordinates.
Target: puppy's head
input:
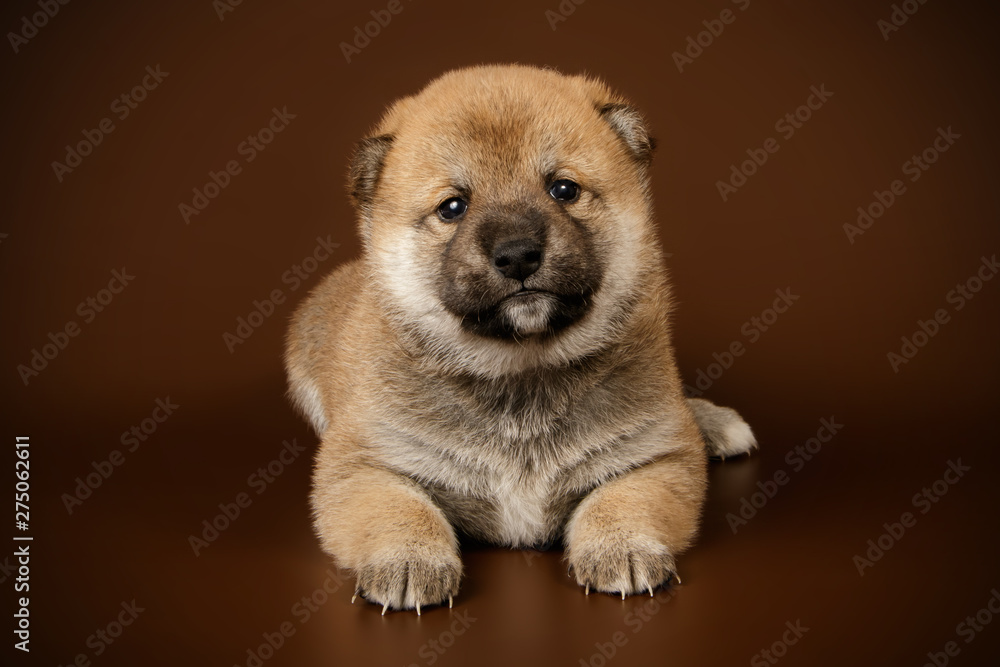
(506, 215)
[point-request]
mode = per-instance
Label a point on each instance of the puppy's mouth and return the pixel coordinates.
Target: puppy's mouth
(527, 313)
(526, 293)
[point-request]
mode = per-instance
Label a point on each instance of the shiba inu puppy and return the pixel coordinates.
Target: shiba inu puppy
(498, 363)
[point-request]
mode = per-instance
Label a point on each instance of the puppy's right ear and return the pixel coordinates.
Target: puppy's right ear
(363, 176)
(631, 128)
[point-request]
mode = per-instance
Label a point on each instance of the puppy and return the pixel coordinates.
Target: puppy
(497, 363)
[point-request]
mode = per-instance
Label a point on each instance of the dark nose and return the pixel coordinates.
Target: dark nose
(517, 258)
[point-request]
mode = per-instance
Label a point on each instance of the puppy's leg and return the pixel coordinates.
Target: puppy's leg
(624, 535)
(386, 529)
(724, 431)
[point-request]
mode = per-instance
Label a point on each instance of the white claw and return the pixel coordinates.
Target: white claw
(678, 578)
(354, 597)
(384, 607)
(586, 590)
(449, 602)
(623, 595)
(418, 609)
(650, 589)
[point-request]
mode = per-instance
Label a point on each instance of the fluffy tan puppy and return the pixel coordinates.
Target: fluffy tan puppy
(497, 363)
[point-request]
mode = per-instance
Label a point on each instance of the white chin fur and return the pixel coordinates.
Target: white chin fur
(528, 315)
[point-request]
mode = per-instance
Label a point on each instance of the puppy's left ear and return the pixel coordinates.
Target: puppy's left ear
(631, 128)
(363, 177)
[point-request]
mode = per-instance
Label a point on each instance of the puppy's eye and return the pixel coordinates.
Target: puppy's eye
(564, 190)
(452, 209)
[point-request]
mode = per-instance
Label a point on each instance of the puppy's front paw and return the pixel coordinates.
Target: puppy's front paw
(620, 562)
(411, 577)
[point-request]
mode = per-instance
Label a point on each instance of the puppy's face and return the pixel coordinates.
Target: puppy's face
(506, 213)
(520, 260)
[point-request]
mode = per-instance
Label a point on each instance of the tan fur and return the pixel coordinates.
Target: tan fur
(431, 427)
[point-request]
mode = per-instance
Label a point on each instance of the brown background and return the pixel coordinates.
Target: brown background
(825, 357)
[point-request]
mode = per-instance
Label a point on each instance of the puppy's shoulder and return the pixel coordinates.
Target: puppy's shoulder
(333, 298)
(325, 321)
